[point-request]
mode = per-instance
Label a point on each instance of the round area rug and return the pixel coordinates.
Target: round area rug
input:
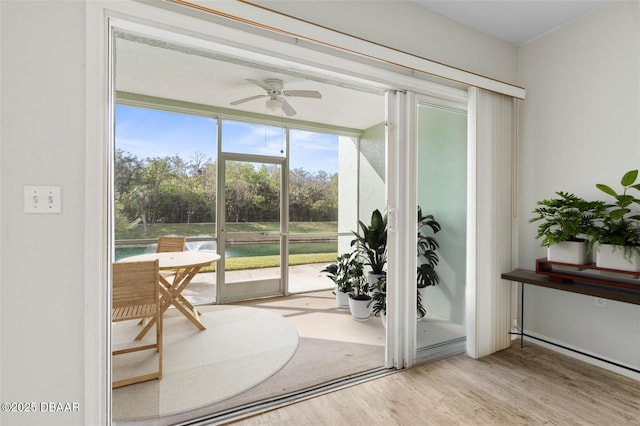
(240, 348)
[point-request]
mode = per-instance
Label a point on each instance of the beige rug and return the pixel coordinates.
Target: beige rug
(240, 348)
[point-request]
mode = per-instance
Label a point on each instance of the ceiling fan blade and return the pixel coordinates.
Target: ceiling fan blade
(260, 83)
(303, 93)
(250, 98)
(287, 108)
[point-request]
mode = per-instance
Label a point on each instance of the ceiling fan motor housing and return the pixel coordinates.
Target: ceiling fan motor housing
(276, 86)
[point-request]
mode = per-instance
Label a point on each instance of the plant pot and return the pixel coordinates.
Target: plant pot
(342, 299)
(383, 319)
(574, 252)
(372, 282)
(612, 257)
(360, 308)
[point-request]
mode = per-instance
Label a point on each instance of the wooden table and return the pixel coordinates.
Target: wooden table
(186, 264)
(602, 288)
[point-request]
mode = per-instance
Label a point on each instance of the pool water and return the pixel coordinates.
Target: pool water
(238, 250)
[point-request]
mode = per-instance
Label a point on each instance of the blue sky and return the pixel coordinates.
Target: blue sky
(153, 133)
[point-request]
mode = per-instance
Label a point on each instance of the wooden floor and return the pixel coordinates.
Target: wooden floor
(530, 386)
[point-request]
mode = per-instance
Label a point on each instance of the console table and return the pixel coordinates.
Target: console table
(570, 282)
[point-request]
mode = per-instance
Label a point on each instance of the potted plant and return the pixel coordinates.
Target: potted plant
(341, 273)
(564, 223)
(359, 298)
(618, 233)
(427, 258)
(372, 244)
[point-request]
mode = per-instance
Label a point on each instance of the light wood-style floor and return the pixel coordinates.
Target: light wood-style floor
(530, 386)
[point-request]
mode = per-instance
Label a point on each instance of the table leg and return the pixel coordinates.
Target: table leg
(521, 315)
(170, 294)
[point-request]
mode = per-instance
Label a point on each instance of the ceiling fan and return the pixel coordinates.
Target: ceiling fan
(276, 95)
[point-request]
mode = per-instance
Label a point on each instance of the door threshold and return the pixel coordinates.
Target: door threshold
(268, 404)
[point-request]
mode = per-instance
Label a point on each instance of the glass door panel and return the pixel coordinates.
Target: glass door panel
(252, 239)
(442, 192)
(313, 208)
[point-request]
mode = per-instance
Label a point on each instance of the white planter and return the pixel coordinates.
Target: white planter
(612, 257)
(342, 299)
(574, 252)
(383, 319)
(372, 282)
(360, 309)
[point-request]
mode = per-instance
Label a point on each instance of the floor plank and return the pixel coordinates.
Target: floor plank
(529, 386)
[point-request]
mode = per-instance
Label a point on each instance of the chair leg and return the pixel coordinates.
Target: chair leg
(159, 341)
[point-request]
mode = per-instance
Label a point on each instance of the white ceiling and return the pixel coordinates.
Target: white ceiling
(515, 21)
(167, 70)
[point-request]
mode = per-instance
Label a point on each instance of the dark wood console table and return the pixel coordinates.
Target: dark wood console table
(627, 294)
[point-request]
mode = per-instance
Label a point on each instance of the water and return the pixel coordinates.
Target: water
(238, 250)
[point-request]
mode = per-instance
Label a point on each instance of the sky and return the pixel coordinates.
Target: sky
(154, 133)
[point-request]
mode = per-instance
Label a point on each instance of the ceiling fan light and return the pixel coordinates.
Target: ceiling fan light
(274, 104)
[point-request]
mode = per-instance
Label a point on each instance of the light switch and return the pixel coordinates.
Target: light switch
(42, 199)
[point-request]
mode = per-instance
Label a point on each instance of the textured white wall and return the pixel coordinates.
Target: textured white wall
(43, 128)
(579, 126)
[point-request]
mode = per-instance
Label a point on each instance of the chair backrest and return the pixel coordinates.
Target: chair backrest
(135, 284)
(166, 244)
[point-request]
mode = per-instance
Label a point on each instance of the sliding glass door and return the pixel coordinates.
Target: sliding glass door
(441, 193)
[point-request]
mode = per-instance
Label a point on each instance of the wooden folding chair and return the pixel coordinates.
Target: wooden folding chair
(171, 244)
(136, 295)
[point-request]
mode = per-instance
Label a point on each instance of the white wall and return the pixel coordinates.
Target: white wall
(372, 173)
(42, 143)
(347, 190)
(579, 126)
(43, 81)
(408, 27)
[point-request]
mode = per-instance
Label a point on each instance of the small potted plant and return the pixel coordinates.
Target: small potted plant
(359, 298)
(427, 258)
(371, 242)
(618, 233)
(340, 273)
(564, 223)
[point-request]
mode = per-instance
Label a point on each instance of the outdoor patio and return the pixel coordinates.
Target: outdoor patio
(302, 279)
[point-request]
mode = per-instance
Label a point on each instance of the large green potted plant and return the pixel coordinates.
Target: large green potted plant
(564, 223)
(427, 276)
(618, 234)
(427, 258)
(371, 242)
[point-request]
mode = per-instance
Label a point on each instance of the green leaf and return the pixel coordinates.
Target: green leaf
(607, 189)
(629, 178)
(624, 200)
(376, 219)
(618, 214)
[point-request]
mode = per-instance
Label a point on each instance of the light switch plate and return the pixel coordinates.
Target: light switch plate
(42, 199)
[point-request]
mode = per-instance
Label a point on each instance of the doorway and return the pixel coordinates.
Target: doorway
(267, 238)
(370, 135)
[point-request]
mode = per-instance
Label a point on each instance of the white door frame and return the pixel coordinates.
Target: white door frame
(267, 287)
(101, 16)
